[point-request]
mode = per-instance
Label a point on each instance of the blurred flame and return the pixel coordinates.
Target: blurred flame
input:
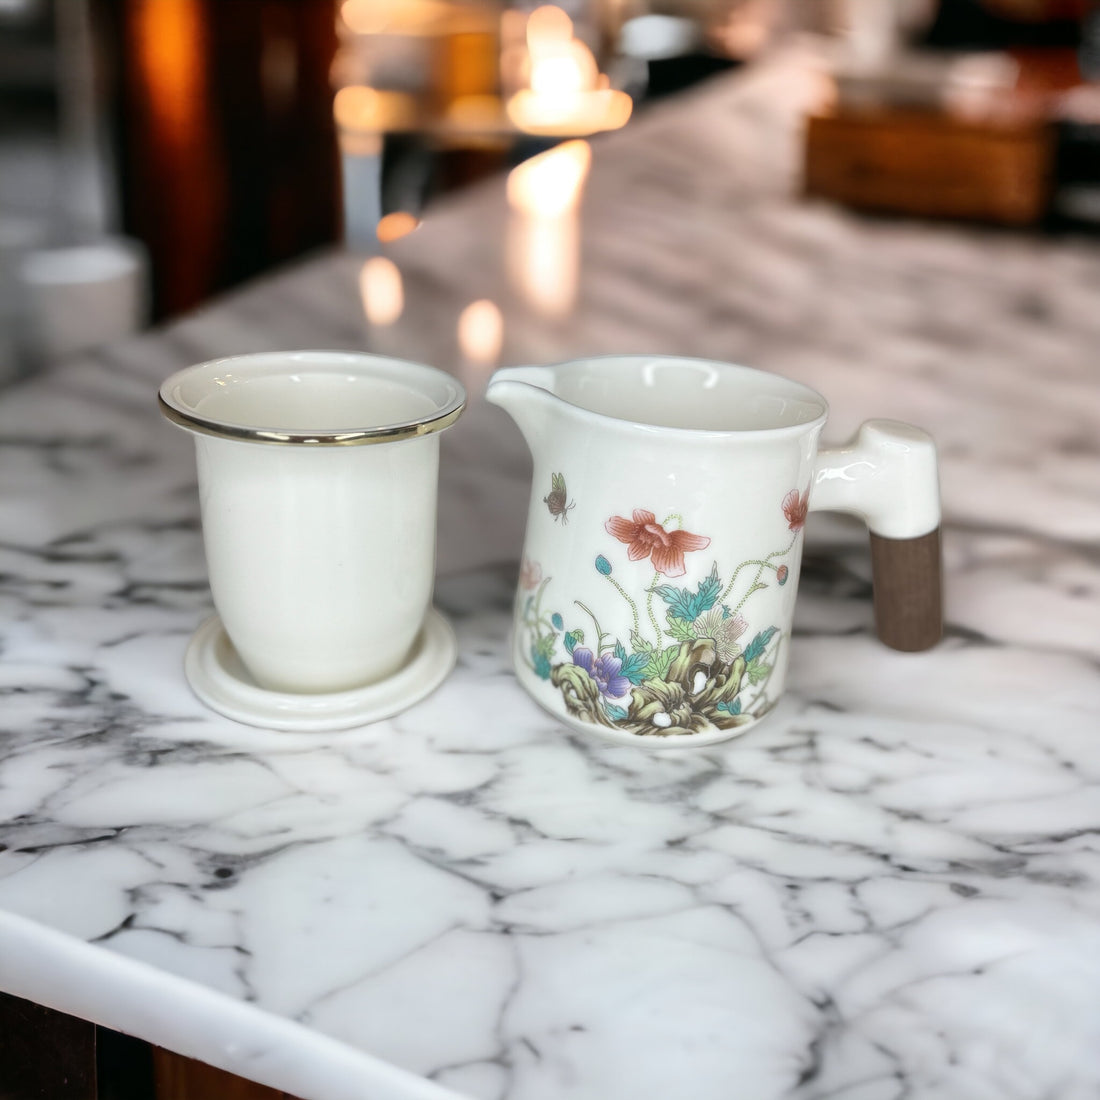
(544, 232)
(550, 183)
(396, 225)
(382, 291)
(567, 71)
(548, 27)
(566, 92)
(481, 331)
(559, 63)
(581, 113)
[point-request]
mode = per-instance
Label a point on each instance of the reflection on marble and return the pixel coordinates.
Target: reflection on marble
(890, 888)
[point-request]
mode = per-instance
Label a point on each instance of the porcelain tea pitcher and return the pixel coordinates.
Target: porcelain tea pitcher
(664, 539)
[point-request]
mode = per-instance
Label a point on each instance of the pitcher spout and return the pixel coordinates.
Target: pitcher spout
(526, 394)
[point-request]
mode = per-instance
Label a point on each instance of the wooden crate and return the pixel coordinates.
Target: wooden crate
(927, 163)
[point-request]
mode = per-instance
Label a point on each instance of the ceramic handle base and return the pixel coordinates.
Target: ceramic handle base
(906, 575)
(888, 476)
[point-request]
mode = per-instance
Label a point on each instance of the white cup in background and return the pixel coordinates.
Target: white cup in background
(82, 295)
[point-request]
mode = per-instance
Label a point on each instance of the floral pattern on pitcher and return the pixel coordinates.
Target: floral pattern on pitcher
(692, 661)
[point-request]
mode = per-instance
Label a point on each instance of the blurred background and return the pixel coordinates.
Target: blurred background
(154, 153)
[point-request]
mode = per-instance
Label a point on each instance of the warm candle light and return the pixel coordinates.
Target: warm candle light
(381, 289)
(567, 71)
(481, 331)
(577, 114)
(566, 92)
(548, 26)
(396, 225)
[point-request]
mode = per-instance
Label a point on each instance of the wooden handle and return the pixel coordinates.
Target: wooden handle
(906, 574)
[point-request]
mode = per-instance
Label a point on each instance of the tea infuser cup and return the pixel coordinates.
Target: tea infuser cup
(318, 478)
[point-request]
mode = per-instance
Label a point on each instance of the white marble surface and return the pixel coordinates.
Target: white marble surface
(889, 889)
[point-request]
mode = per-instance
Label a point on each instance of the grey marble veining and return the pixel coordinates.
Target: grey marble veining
(890, 889)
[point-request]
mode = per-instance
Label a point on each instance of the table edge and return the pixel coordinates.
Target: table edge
(63, 972)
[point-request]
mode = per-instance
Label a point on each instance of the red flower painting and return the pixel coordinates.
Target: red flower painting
(648, 539)
(795, 508)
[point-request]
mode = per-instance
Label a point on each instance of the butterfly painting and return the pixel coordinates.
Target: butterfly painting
(558, 501)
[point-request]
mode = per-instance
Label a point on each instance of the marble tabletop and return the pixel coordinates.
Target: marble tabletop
(889, 889)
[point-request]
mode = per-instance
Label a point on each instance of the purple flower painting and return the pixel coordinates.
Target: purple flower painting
(606, 670)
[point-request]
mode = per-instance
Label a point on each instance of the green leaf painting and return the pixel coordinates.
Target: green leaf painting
(690, 605)
(759, 643)
(757, 672)
(679, 628)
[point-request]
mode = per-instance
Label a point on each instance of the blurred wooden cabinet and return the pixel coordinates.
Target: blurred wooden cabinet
(225, 148)
(929, 164)
(992, 157)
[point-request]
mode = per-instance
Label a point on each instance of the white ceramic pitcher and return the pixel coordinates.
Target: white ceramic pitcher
(664, 538)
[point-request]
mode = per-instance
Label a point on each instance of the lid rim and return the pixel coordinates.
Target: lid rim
(442, 415)
(388, 433)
